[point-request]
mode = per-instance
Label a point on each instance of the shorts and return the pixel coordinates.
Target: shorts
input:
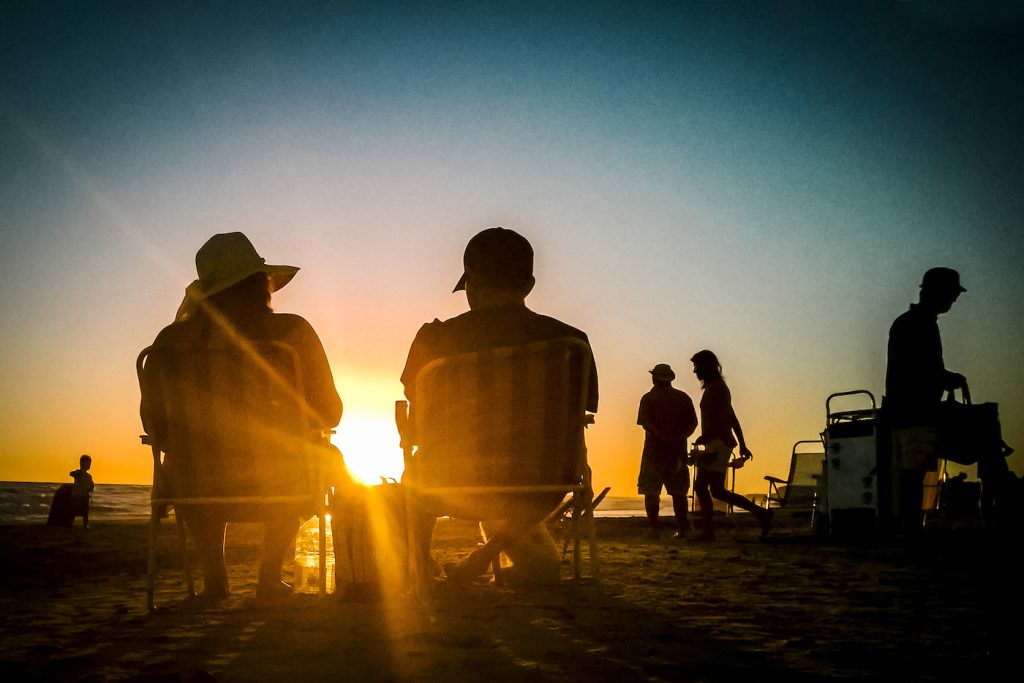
(915, 448)
(660, 470)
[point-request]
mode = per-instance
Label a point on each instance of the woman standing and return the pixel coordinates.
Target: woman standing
(718, 424)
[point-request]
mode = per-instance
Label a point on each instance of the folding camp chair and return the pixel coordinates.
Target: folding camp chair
(562, 516)
(499, 430)
(230, 436)
(797, 494)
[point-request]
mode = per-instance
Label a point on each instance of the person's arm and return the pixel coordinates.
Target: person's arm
(321, 394)
(954, 380)
(738, 430)
(421, 352)
(691, 420)
(643, 417)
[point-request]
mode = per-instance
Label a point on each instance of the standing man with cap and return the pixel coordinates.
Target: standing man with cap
(668, 419)
(915, 379)
(497, 277)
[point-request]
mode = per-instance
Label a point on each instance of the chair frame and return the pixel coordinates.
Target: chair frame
(775, 482)
(159, 503)
(580, 491)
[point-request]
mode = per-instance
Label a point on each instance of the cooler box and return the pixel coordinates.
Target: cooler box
(856, 468)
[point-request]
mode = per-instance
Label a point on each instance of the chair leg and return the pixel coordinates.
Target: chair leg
(595, 571)
(415, 562)
(577, 520)
(185, 559)
(322, 583)
(154, 528)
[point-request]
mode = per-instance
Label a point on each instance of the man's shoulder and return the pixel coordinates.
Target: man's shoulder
(681, 395)
(913, 318)
(671, 395)
(495, 327)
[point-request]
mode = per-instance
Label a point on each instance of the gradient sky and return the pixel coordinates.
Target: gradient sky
(767, 180)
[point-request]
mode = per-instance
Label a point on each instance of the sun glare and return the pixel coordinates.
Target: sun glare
(369, 442)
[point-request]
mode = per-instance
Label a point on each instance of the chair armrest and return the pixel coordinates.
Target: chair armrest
(774, 480)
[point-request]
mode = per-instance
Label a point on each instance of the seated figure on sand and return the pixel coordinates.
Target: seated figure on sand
(498, 276)
(226, 314)
(72, 500)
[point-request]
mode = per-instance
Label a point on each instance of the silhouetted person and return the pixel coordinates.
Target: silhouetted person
(668, 419)
(718, 424)
(81, 490)
(915, 379)
(227, 307)
(72, 500)
(498, 265)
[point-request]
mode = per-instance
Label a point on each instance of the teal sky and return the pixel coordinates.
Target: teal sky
(768, 180)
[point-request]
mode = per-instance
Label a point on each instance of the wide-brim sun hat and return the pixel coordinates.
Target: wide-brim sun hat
(225, 260)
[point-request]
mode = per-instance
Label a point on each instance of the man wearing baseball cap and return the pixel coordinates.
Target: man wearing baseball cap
(668, 419)
(915, 379)
(497, 277)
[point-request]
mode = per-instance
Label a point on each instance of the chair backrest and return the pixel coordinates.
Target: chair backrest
(509, 416)
(804, 470)
(232, 421)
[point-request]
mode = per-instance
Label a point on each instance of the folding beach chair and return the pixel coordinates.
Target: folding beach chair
(797, 493)
(561, 516)
(230, 436)
(498, 431)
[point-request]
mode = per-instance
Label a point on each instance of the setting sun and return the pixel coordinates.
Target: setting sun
(367, 435)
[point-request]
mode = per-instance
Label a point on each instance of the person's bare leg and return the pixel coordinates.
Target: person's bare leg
(209, 539)
(502, 536)
(277, 540)
(652, 506)
(679, 508)
(535, 557)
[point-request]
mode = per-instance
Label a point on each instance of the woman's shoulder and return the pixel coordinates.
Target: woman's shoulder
(716, 387)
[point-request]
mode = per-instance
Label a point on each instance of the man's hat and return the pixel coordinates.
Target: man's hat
(663, 372)
(499, 257)
(942, 279)
(225, 260)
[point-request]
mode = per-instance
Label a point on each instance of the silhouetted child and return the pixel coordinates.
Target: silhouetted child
(81, 490)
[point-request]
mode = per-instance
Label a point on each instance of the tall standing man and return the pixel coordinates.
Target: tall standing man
(915, 379)
(668, 419)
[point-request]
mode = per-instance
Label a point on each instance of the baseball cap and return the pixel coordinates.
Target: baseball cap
(498, 256)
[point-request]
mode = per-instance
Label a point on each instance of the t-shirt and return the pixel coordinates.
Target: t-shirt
(83, 485)
(915, 374)
(670, 412)
(488, 328)
(716, 416)
(320, 393)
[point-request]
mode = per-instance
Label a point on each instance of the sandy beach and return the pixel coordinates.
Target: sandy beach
(945, 607)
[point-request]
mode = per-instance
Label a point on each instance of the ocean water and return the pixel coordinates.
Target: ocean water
(29, 503)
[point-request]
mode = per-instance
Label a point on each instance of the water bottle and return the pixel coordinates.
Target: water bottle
(307, 555)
